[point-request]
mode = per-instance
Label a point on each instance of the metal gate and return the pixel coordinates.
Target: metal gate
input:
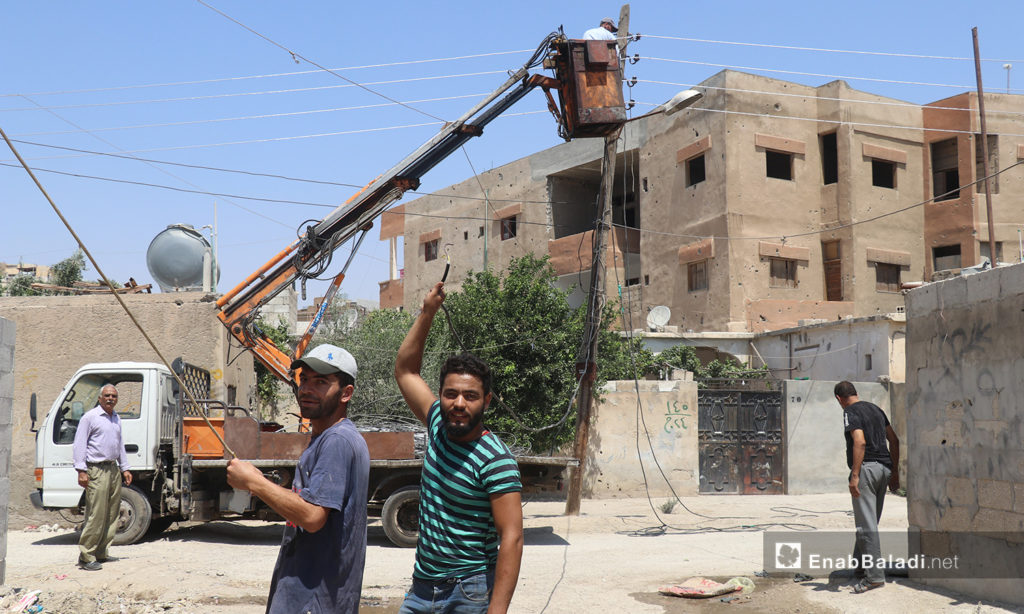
(740, 428)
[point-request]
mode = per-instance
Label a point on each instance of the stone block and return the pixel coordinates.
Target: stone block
(922, 515)
(6, 358)
(955, 519)
(961, 492)
(1012, 280)
(996, 520)
(922, 301)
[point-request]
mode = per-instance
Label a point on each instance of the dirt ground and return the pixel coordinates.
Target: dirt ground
(611, 558)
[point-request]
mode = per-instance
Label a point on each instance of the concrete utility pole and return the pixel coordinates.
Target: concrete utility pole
(984, 154)
(586, 367)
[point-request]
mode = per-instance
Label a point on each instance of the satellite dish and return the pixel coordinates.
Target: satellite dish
(175, 258)
(658, 317)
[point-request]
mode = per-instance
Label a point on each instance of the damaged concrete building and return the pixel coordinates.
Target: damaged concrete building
(766, 204)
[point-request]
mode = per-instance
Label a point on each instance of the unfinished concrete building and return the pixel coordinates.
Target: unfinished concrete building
(765, 204)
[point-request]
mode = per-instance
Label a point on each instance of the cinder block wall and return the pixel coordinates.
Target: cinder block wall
(6, 405)
(670, 416)
(965, 420)
(59, 334)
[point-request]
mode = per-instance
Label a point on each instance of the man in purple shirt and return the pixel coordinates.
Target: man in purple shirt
(101, 462)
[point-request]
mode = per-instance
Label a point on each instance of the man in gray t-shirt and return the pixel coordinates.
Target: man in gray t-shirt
(320, 565)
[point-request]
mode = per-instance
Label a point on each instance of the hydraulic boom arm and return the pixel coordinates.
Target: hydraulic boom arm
(309, 255)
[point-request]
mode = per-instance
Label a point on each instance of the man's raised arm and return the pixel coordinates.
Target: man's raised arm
(416, 391)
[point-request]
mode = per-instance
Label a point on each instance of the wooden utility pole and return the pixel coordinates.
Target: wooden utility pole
(984, 154)
(586, 367)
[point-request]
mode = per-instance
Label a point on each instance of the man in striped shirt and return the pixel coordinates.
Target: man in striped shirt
(469, 490)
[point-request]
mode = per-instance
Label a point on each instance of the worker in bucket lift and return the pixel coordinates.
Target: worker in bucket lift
(603, 32)
(320, 565)
(471, 519)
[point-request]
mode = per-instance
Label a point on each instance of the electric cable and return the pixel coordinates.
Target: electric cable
(820, 49)
(272, 75)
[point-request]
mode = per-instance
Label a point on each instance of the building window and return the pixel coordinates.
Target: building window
(633, 281)
(993, 163)
(867, 362)
(695, 170)
(697, 276)
(945, 170)
(465, 235)
(883, 173)
(833, 270)
(984, 251)
(783, 273)
(508, 228)
(887, 277)
(430, 250)
(946, 257)
(829, 158)
(779, 165)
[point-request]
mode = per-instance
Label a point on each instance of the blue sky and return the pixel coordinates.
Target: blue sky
(176, 82)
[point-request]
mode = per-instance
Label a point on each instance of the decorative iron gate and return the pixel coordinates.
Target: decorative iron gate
(740, 428)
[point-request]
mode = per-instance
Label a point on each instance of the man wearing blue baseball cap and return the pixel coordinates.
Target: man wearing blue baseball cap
(320, 566)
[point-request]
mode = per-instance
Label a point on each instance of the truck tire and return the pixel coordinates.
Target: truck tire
(134, 517)
(401, 516)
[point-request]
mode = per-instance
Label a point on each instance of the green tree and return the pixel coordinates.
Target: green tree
(66, 272)
(267, 384)
(21, 285)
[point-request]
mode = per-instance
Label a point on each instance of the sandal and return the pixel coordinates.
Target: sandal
(864, 586)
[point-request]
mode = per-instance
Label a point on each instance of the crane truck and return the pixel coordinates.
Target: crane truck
(168, 417)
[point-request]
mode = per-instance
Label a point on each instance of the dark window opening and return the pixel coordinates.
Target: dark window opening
(480, 232)
(867, 362)
(783, 273)
(887, 277)
(779, 165)
(946, 257)
(508, 228)
(695, 170)
(647, 280)
(883, 174)
(984, 251)
(945, 170)
(697, 276)
(993, 163)
(829, 158)
(430, 250)
(465, 235)
(633, 281)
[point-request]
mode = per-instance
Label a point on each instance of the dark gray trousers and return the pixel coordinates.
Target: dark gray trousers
(867, 510)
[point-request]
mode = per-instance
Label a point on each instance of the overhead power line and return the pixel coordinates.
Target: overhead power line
(825, 50)
(267, 76)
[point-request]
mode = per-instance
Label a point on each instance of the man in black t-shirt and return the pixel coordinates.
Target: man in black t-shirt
(872, 466)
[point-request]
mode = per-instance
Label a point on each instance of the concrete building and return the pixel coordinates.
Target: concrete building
(10, 271)
(754, 209)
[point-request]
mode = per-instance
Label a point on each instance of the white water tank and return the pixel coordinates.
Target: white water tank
(177, 258)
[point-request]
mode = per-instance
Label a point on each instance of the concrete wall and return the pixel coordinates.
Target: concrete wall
(7, 330)
(669, 420)
(837, 350)
(815, 446)
(965, 419)
(59, 334)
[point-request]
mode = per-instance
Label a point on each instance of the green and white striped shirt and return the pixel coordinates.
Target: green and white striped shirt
(457, 533)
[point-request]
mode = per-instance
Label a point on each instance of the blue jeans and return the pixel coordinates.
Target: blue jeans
(469, 595)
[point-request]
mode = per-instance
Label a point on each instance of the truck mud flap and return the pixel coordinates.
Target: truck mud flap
(185, 486)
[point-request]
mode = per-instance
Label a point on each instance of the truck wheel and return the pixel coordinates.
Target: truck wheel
(401, 516)
(134, 516)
